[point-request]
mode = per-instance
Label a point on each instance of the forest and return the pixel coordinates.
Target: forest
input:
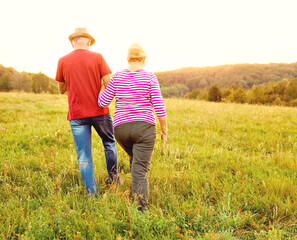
(12, 80)
(282, 93)
(179, 82)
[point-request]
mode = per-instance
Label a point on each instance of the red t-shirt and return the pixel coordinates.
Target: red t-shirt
(82, 71)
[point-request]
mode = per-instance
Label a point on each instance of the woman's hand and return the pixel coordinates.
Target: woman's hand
(164, 139)
(163, 123)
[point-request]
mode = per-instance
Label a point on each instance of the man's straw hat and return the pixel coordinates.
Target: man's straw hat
(136, 51)
(81, 32)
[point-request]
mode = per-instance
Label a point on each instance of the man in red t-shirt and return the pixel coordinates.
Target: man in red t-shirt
(80, 74)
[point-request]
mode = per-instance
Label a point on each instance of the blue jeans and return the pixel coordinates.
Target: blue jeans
(81, 131)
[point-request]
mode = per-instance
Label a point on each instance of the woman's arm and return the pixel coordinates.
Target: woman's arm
(159, 107)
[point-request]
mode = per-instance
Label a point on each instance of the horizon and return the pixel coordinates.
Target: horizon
(171, 70)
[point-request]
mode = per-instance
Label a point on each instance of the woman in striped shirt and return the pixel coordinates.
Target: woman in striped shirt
(137, 94)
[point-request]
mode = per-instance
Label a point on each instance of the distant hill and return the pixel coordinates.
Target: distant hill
(245, 75)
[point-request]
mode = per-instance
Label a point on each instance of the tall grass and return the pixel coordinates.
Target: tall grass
(228, 172)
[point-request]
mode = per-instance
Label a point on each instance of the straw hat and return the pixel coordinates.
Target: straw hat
(136, 51)
(81, 32)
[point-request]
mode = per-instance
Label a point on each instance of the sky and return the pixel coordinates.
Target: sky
(174, 33)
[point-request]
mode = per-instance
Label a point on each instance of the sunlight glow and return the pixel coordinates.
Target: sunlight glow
(175, 34)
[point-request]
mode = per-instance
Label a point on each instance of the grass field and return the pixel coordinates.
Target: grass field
(229, 172)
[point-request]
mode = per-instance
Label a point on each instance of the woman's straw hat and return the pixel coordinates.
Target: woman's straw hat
(81, 32)
(136, 51)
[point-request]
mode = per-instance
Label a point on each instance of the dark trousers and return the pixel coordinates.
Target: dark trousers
(137, 138)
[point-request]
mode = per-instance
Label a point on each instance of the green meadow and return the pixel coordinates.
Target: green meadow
(229, 171)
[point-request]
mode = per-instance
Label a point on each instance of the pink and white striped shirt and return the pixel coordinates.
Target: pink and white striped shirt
(137, 95)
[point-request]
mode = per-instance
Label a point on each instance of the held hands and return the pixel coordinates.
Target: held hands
(164, 138)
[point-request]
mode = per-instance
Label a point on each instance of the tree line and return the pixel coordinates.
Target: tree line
(12, 80)
(272, 83)
(177, 83)
(282, 93)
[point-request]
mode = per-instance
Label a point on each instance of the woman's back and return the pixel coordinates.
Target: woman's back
(137, 95)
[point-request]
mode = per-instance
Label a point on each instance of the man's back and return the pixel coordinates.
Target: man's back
(82, 71)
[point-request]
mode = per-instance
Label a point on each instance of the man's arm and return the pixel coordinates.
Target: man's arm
(62, 87)
(105, 79)
(102, 89)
